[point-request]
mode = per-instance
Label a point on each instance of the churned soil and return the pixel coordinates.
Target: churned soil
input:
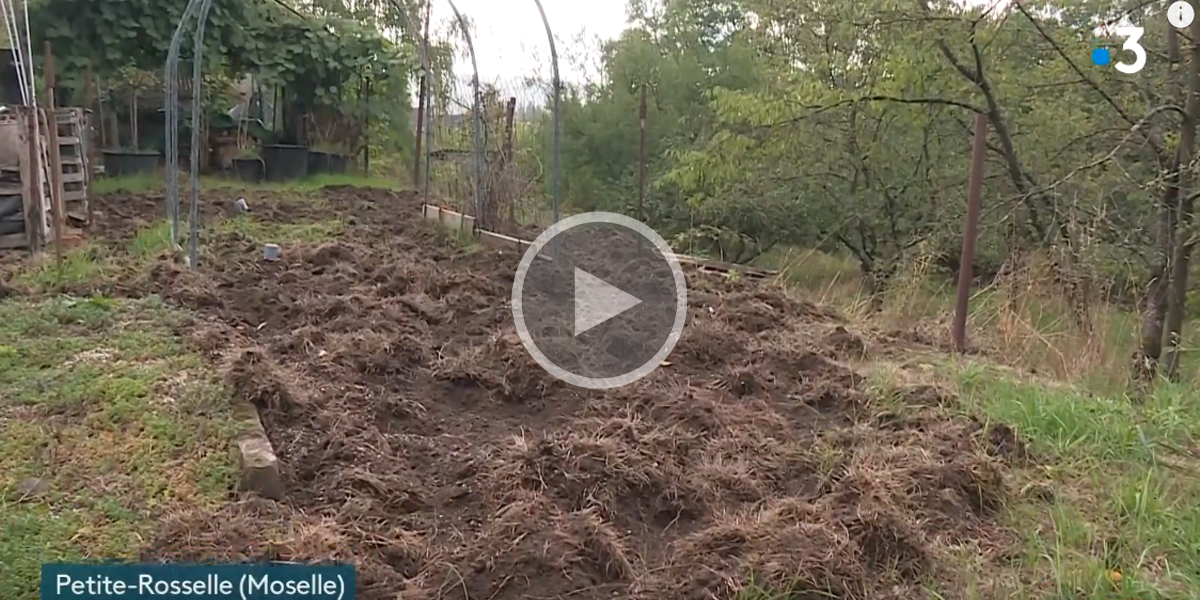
(422, 443)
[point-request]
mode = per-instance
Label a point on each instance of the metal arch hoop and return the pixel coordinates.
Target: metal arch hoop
(555, 169)
(476, 111)
(198, 10)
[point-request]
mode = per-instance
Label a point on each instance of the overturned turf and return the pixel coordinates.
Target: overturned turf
(422, 443)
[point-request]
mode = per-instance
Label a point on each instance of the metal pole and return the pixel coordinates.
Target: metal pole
(197, 98)
(970, 232)
(555, 169)
(171, 83)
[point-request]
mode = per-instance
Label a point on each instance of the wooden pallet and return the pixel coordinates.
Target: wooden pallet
(72, 125)
(73, 137)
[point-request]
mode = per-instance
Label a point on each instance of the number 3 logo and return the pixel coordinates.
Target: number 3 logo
(1132, 35)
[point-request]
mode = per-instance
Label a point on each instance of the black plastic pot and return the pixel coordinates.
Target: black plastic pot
(327, 162)
(249, 169)
(284, 162)
(127, 162)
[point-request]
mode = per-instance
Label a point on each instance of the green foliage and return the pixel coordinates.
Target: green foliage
(319, 55)
(113, 34)
(848, 125)
(314, 56)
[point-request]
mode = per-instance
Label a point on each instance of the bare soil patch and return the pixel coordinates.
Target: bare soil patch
(422, 443)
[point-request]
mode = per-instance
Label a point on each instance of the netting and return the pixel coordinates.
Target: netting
(505, 175)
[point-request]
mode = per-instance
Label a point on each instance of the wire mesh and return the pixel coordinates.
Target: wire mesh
(493, 139)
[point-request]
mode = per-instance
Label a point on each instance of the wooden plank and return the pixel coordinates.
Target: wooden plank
(724, 267)
(32, 192)
(448, 218)
(14, 240)
(503, 242)
(58, 206)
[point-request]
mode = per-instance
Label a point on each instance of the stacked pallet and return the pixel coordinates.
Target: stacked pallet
(26, 213)
(12, 210)
(22, 223)
(73, 157)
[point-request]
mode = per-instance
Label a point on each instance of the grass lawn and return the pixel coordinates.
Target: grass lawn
(106, 420)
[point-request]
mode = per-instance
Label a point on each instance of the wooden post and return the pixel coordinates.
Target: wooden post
(970, 233)
(35, 208)
(642, 110)
(56, 191)
(366, 129)
(91, 98)
(507, 172)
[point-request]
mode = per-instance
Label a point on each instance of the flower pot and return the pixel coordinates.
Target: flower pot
(285, 162)
(249, 169)
(118, 163)
(320, 161)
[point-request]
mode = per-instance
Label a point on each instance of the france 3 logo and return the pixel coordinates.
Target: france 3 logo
(1180, 14)
(1102, 56)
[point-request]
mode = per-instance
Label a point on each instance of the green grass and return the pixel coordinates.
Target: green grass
(280, 233)
(103, 402)
(1125, 482)
(91, 263)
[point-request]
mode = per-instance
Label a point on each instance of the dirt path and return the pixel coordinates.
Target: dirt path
(422, 443)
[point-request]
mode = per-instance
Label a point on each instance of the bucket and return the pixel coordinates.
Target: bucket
(248, 169)
(285, 162)
(327, 162)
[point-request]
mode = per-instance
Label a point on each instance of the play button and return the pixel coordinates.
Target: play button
(599, 300)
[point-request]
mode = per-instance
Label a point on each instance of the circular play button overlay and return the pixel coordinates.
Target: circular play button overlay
(599, 300)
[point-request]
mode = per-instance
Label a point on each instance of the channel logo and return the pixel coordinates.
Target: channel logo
(1132, 35)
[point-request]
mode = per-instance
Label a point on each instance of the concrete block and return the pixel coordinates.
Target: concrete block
(260, 467)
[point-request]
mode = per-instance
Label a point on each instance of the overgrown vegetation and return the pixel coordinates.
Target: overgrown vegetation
(846, 128)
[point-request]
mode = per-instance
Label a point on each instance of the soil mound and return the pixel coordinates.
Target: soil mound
(422, 442)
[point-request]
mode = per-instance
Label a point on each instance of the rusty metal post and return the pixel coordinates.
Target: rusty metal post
(58, 206)
(642, 110)
(970, 233)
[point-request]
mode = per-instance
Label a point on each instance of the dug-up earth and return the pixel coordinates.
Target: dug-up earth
(419, 441)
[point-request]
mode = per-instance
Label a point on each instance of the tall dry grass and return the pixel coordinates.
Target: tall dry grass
(1030, 317)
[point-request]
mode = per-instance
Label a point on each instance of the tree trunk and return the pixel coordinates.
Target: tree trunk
(1185, 239)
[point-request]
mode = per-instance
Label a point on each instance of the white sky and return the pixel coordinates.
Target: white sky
(510, 39)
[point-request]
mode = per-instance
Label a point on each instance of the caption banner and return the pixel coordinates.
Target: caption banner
(264, 581)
